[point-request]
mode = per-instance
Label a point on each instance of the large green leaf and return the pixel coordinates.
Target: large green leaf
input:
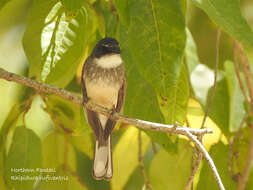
(54, 44)
(157, 42)
(157, 45)
(236, 108)
(219, 154)
(125, 157)
(173, 169)
(24, 153)
(227, 14)
(57, 151)
(140, 96)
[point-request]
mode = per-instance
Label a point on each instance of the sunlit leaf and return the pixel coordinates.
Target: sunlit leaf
(25, 152)
(227, 14)
(125, 157)
(236, 108)
(173, 169)
(144, 96)
(54, 44)
(219, 109)
(157, 44)
(57, 151)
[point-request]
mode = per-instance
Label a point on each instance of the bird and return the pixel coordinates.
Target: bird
(103, 83)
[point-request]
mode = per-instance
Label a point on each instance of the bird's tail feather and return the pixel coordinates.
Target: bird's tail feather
(102, 167)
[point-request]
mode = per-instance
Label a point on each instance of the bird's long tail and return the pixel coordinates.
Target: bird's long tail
(102, 167)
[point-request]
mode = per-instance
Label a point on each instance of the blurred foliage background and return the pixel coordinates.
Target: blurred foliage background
(56, 134)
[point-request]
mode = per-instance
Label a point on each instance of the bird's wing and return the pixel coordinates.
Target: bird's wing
(121, 97)
(91, 116)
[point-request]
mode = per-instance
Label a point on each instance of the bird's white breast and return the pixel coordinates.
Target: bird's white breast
(109, 61)
(104, 94)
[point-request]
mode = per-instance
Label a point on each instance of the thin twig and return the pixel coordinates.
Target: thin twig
(231, 147)
(77, 99)
(237, 72)
(215, 78)
(153, 147)
(140, 159)
(194, 171)
(249, 81)
(201, 148)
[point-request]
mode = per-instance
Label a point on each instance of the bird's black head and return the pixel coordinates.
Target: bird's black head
(106, 46)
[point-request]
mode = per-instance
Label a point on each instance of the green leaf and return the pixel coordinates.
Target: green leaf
(37, 118)
(191, 54)
(135, 181)
(173, 169)
(140, 96)
(125, 157)
(25, 152)
(71, 5)
(227, 14)
(157, 45)
(157, 42)
(219, 110)
(57, 151)
(84, 144)
(236, 108)
(66, 115)
(174, 105)
(219, 154)
(3, 3)
(55, 45)
(123, 7)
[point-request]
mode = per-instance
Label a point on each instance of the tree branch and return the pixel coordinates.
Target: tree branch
(208, 158)
(146, 125)
(77, 99)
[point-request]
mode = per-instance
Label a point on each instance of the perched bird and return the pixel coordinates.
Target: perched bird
(103, 83)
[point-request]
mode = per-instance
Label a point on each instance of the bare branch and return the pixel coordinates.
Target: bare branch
(77, 99)
(237, 71)
(207, 157)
